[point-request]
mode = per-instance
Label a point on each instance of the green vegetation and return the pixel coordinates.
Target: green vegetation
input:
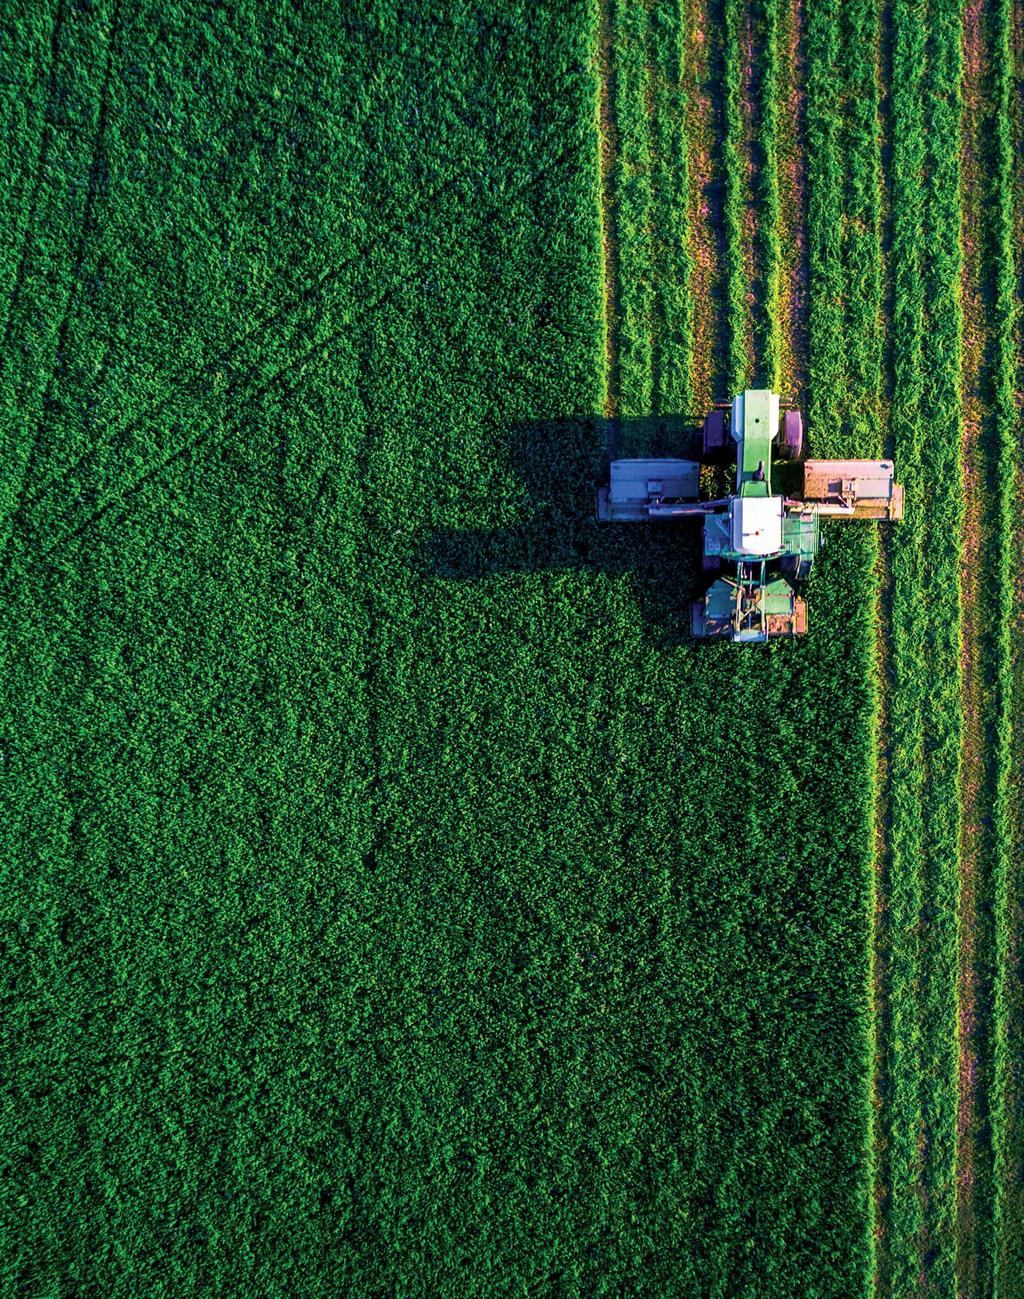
(672, 258)
(942, 421)
(908, 669)
(1007, 1132)
(398, 901)
(770, 324)
(633, 174)
(738, 361)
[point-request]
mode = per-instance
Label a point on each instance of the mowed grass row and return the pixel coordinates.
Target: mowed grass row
(843, 382)
(674, 308)
(942, 415)
(989, 1237)
(767, 72)
(902, 1115)
(762, 926)
(925, 696)
(1007, 1212)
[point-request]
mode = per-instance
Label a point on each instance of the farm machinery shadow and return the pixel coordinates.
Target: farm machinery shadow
(559, 465)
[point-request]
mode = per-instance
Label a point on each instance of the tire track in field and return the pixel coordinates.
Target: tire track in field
(240, 387)
(86, 229)
(205, 439)
(46, 130)
(186, 389)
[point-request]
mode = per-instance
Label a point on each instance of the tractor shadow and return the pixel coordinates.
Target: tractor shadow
(559, 465)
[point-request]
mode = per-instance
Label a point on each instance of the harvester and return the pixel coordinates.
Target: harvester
(768, 538)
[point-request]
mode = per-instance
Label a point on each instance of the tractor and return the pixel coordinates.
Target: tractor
(770, 539)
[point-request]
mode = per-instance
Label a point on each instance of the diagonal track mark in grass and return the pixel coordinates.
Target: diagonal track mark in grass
(45, 137)
(153, 473)
(86, 228)
(181, 389)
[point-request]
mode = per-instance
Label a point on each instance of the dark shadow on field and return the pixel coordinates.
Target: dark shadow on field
(559, 465)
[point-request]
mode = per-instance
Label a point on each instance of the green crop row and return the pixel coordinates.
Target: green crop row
(770, 325)
(670, 188)
(843, 391)
(908, 671)
(925, 698)
(734, 180)
(1007, 1131)
(824, 229)
(633, 204)
(862, 233)
(942, 418)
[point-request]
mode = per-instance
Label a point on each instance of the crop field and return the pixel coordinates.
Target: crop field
(396, 900)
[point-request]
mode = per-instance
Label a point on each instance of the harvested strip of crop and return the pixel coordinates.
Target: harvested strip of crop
(735, 175)
(701, 57)
(771, 319)
(1007, 1262)
(633, 204)
(674, 308)
(902, 1117)
(941, 410)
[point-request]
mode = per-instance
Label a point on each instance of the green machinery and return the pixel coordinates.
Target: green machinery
(770, 539)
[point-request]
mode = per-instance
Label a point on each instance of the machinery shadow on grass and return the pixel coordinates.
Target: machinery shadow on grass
(559, 465)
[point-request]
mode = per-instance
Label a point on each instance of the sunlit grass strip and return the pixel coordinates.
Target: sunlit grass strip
(862, 248)
(738, 366)
(824, 225)
(670, 183)
(1007, 1130)
(633, 204)
(942, 413)
(908, 667)
(770, 328)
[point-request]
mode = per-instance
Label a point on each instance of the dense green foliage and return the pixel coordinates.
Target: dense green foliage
(397, 901)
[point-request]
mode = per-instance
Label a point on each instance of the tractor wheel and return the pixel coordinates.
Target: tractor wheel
(716, 438)
(792, 447)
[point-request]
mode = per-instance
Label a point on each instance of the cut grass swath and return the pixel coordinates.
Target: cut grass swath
(903, 1115)
(942, 413)
(1007, 1130)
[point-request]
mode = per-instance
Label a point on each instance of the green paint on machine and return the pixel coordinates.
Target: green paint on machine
(771, 538)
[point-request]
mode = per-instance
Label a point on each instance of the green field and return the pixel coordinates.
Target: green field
(397, 901)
